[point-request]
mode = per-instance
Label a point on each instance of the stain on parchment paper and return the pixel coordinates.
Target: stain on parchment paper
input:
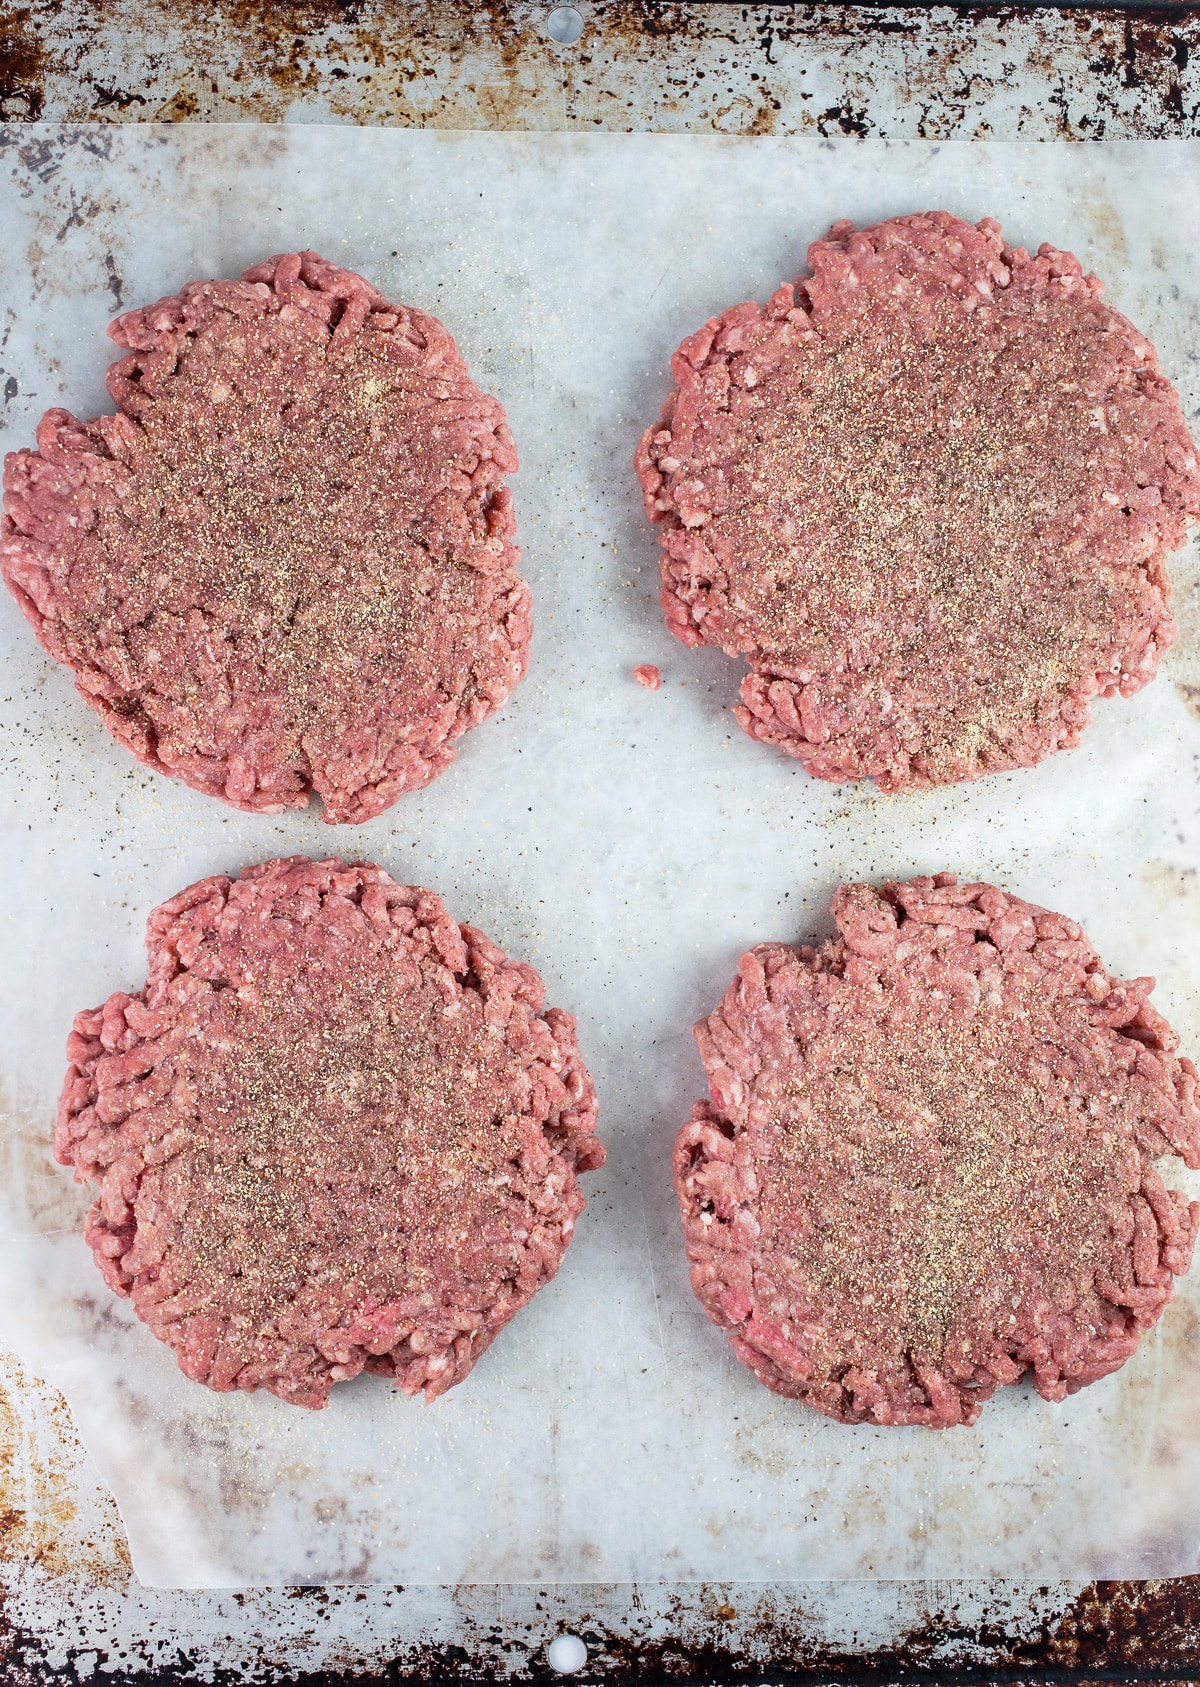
(221, 152)
(1173, 890)
(1151, 1409)
(1107, 230)
(1171, 1373)
(245, 1466)
(1182, 662)
(48, 1196)
(75, 236)
(756, 1448)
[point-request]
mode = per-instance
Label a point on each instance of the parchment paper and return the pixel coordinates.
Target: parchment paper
(629, 844)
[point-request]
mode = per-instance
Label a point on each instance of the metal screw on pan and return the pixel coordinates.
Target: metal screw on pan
(564, 25)
(567, 1652)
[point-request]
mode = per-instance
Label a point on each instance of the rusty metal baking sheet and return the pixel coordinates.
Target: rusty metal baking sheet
(629, 844)
(895, 72)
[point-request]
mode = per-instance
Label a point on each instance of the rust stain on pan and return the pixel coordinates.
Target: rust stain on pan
(1111, 1632)
(23, 67)
(718, 68)
(1151, 1627)
(47, 1523)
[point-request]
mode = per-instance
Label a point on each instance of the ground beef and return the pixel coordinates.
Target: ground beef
(335, 1132)
(647, 675)
(926, 1167)
(927, 492)
(287, 563)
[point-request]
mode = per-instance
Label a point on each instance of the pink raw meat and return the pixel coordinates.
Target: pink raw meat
(286, 564)
(926, 1168)
(335, 1132)
(928, 493)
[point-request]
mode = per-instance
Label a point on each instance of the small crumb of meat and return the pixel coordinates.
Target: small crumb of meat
(648, 675)
(287, 564)
(335, 1132)
(928, 493)
(926, 1167)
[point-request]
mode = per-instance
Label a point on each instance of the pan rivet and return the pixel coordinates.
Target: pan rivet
(567, 1653)
(564, 25)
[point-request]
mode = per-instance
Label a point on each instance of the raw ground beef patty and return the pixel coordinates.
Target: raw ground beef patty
(335, 1132)
(927, 492)
(287, 563)
(926, 1167)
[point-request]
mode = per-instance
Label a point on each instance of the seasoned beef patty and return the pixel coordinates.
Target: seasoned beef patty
(927, 1165)
(927, 492)
(287, 563)
(335, 1132)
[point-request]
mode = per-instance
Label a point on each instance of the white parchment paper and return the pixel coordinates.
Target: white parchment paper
(629, 844)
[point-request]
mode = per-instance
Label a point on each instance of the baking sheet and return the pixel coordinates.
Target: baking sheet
(630, 844)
